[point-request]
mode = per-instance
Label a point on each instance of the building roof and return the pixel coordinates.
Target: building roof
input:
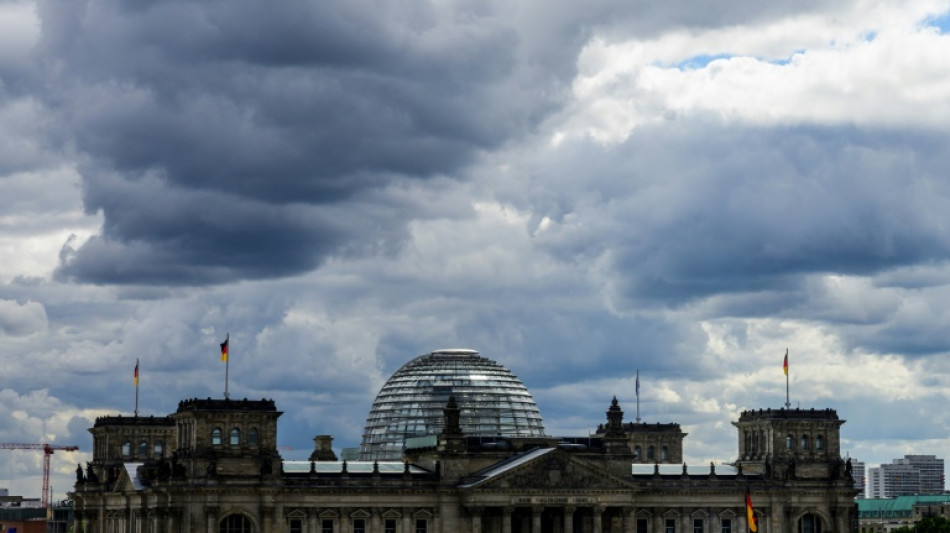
(492, 401)
(896, 507)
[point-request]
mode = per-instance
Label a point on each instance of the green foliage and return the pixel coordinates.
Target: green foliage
(932, 524)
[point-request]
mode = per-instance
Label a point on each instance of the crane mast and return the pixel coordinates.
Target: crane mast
(48, 450)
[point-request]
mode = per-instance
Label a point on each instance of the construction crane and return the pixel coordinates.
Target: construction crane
(48, 450)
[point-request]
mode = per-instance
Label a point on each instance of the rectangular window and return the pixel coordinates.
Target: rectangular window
(359, 526)
(670, 525)
(726, 525)
(296, 526)
(421, 526)
(390, 526)
(641, 525)
(327, 526)
(698, 525)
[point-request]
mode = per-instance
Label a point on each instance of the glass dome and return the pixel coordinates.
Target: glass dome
(493, 401)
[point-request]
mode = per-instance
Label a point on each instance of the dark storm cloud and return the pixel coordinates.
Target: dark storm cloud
(708, 210)
(293, 107)
(295, 103)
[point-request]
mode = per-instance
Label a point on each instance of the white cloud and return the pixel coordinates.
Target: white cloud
(815, 68)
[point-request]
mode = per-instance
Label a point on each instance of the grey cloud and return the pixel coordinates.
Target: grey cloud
(285, 107)
(691, 213)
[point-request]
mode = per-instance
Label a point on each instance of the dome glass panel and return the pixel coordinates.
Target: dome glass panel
(492, 400)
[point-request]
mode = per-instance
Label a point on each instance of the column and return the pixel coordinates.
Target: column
(312, 521)
(506, 519)
(376, 522)
(476, 519)
(629, 519)
(569, 519)
(536, 519)
(598, 519)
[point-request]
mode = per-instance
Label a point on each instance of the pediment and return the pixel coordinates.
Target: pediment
(556, 470)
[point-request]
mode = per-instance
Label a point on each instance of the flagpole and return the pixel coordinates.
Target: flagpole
(136, 386)
(226, 355)
(638, 396)
(227, 363)
(788, 404)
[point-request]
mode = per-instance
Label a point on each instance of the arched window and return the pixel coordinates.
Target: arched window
(809, 523)
(789, 442)
(664, 454)
(143, 448)
(819, 443)
(159, 448)
(235, 436)
(637, 451)
(650, 453)
(126, 448)
(804, 442)
(252, 437)
(216, 437)
(235, 523)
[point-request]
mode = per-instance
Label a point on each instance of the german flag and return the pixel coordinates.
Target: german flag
(224, 348)
(750, 513)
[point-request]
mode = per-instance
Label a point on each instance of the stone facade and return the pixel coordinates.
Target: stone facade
(229, 482)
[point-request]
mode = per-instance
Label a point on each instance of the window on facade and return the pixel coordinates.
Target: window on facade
(726, 525)
(159, 448)
(804, 442)
(664, 453)
(235, 523)
(637, 451)
(698, 525)
(809, 523)
(296, 526)
(143, 448)
(789, 442)
(252, 437)
(359, 525)
(650, 453)
(126, 448)
(642, 525)
(422, 526)
(670, 525)
(216, 437)
(326, 526)
(235, 437)
(389, 526)
(819, 443)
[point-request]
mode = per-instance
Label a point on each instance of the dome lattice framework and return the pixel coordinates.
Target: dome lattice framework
(493, 402)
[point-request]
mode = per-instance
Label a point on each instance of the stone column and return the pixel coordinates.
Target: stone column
(629, 519)
(536, 519)
(506, 519)
(313, 521)
(210, 520)
(569, 519)
(598, 519)
(376, 521)
(476, 519)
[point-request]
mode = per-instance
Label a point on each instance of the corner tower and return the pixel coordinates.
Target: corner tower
(790, 443)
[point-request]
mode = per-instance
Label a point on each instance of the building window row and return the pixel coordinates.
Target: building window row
(805, 443)
(327, 525)
(234, 437)
(651, 453)
(141, 450)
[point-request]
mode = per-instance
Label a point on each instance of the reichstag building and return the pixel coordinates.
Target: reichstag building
(454, 443)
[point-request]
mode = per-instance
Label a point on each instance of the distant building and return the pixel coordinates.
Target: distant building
(912, 474)
(858, 473)
(876, 515)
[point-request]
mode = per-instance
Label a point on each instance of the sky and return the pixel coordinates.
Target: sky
(579, 191)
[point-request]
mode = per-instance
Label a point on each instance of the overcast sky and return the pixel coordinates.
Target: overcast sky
(576, 190)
